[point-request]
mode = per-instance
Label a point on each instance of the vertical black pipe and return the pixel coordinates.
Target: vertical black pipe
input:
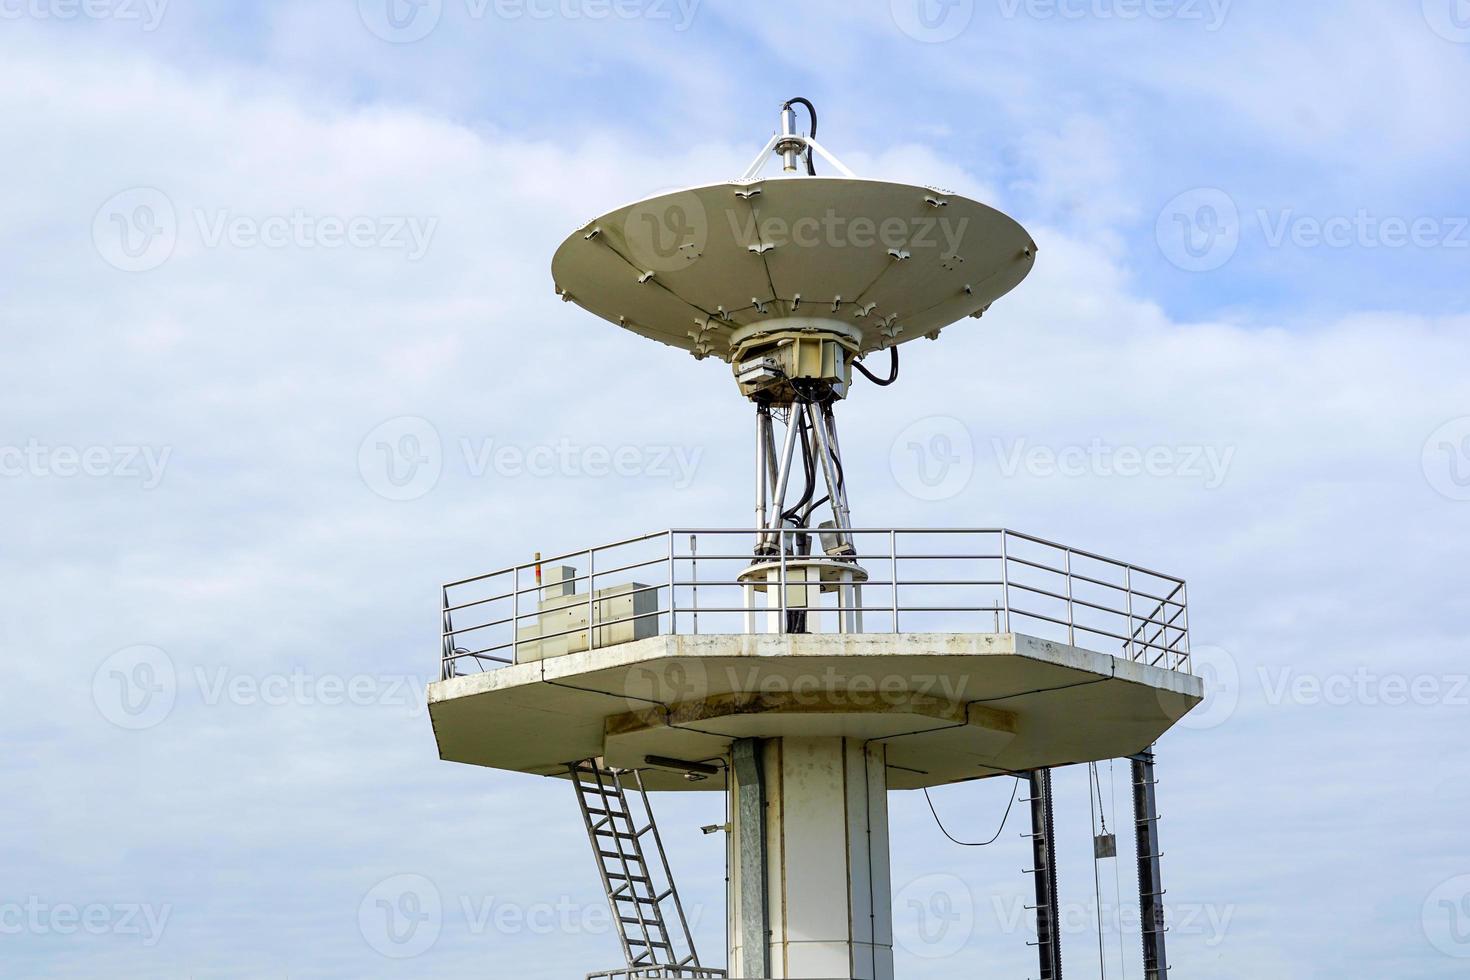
(1044, 860)
(1150, 876)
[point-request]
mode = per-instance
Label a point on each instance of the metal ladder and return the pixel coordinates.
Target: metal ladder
(638, 892)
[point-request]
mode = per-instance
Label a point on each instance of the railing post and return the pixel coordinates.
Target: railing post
(1005, 580)
(446, 643)
(781, 549)
(1071, 625)
(673, 601)
(1184, 637)
(694, 580)
(1128, 594)
(893, 558)
(591, 599)
(515, 613)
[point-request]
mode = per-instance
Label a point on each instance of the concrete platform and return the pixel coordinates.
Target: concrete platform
(947, 706)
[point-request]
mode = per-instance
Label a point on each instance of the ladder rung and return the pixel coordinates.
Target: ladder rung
(606, 813)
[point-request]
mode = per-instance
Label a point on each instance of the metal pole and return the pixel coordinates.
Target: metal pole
(829, 471)
(1128, 594)
(1044, 859)
(769, 439)
(788, 148)
(1150, 875)
(778, 501)
(841, 493)
(893, 564)
(591, 599)
(761, 478)
(515, 612)
(1184, 658)
(1005, 588)
(694, 577)
(1071, 627)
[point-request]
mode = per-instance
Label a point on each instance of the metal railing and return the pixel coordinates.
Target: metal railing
(706, 580)
(659, 973)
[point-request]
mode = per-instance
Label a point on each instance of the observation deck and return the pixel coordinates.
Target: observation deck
(967, 652)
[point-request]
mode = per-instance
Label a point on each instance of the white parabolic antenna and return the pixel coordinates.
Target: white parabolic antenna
(711, 268)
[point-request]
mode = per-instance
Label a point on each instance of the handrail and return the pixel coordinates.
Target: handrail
(635, 587)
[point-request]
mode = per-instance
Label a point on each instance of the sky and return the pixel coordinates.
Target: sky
(242, 246)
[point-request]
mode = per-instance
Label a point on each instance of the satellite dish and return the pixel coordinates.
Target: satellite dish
(733, 269)
(883, 262)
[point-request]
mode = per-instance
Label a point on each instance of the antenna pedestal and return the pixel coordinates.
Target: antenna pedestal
(809, 869)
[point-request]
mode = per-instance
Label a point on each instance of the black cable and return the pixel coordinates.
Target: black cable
(808, 469)
(1014, 787)
(841, 476)
(811, 111)
(892, 371)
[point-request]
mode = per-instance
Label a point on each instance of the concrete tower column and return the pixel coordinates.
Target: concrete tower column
(809, 860)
